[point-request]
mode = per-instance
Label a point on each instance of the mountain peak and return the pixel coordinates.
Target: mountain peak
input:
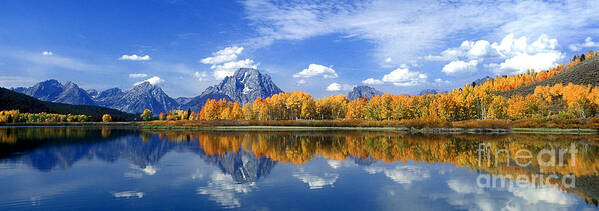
(244, 86)
(144, 85)
(363, 91)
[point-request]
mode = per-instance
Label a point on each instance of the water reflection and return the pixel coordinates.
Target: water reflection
(370, 169)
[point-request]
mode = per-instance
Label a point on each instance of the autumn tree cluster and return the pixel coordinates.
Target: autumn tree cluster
(559, 101)
(505, 82)
(470, 102)
(14, 116)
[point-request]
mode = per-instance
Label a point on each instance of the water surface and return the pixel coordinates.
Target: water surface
(67, 168)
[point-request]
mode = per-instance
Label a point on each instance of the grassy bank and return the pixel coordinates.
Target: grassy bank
(71, 124)
(410, 123)
(412, 126)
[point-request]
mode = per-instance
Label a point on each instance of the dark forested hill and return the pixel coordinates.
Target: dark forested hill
(10, 100)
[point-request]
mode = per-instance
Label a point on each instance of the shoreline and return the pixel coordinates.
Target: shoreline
(383, 129)
(237, 128)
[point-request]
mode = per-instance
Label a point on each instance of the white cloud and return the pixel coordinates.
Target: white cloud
(228, 69)
(520, 56)
(460, 67)
(54, 61)
(429, 23)
(511, 55)
(155, 80)
(316, 70)
(201, 76)
(401, 174)
(128, 194)
(138, 75)
(301, 82)
(588, 43)
(467, 50)
(388, 60)
(463, 187)
(400, 77)
(47, 53)
(372, 81)
(225, 55)
(523, 62)
(223, 189)
(334, 87)
(404, 77)
(135, 57)
(316, 182)
(335, 164)
(441, 81)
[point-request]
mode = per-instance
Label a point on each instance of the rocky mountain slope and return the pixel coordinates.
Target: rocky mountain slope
(363, 91)
(53, 91)
(141, 97)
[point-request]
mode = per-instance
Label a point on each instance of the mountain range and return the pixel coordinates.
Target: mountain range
(244, 86)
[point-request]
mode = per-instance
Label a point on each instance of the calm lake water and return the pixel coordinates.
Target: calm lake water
(68, 168)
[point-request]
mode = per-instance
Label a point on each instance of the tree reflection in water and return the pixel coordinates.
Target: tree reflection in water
(249, 156)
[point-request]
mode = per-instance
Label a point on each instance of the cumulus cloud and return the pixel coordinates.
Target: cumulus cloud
(155, 80)
(223, 189)
(138, 75)
(228, 69)
(135, 57)
(334, 87)
(201, 76)
(430, 23)
(47, 53)
(588, 43)
(225, 55)
(535, 195)
(404, 77)
(335, 164)
(520, 56)
(467, 50)
(511, 55)
(128, 194)
(441, 81)
(460, 67)
(301, 82)
(400, 77)
(522, 62)
(372, 81)
(224, 62)
(316, 70)
(401, 174)
(314, 181)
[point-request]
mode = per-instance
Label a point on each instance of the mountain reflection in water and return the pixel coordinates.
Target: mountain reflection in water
(233, 169)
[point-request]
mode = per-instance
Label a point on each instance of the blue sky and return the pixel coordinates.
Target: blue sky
(322, 47)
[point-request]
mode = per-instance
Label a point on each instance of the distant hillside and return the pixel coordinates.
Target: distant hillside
(429, 92)
(13, 100)
(587, 72)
